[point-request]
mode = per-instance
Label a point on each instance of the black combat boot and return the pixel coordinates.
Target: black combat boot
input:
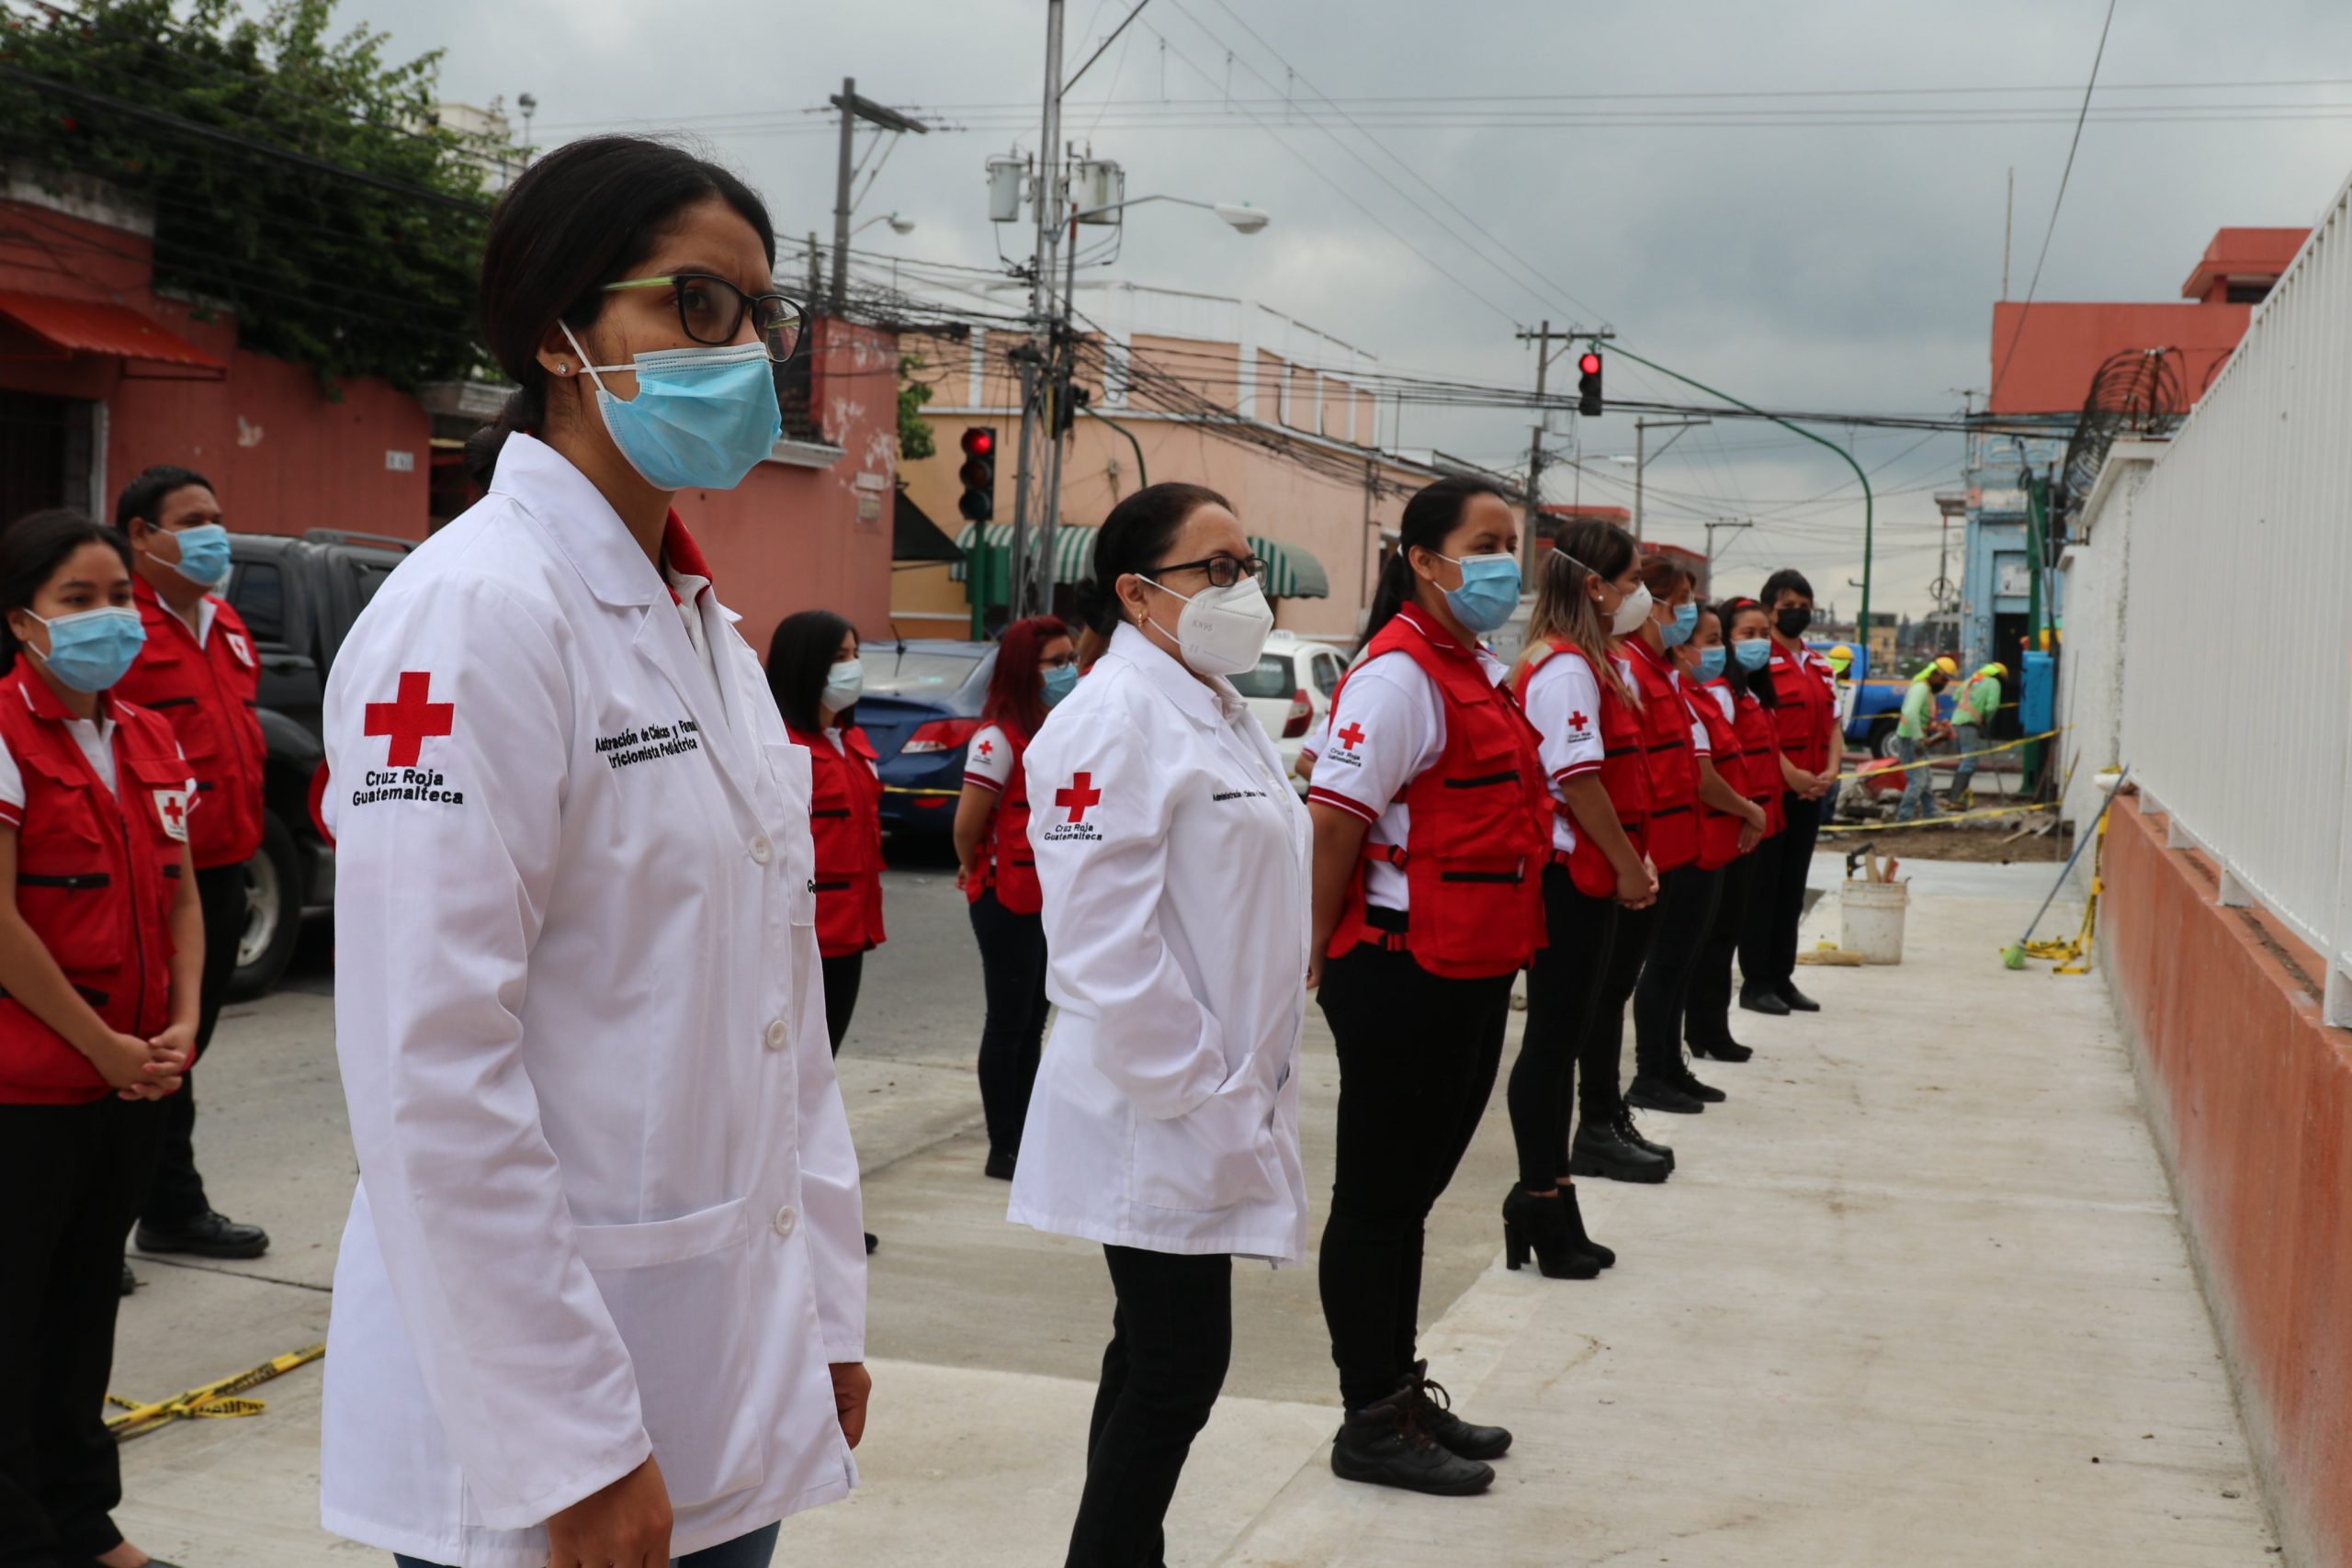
(1433, 1409)
(1629, 1130)
(1661, 1093)
(1602, 1148)
(1384, 1445)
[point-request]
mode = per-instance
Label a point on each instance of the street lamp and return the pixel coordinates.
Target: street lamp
(1244, 218)
(898, 225)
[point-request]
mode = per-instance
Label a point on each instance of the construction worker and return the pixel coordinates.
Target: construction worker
(1972, 718)
(1917, 729)
(1840, 661)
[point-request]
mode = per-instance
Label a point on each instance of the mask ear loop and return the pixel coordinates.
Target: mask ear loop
(583, 353)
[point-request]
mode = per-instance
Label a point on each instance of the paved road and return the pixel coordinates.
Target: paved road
(1909, 1284)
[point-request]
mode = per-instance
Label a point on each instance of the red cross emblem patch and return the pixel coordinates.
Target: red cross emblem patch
(1079, 796)
(1350, 737)
(170, 809)
(988, 748)
(410, 720)
(239, 649)
(1576, 721)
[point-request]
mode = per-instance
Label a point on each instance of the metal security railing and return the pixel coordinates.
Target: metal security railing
(2236, 644)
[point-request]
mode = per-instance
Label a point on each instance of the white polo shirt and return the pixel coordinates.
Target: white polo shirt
(1386, 728)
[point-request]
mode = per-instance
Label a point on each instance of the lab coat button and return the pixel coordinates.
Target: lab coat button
(778, 1036)
(785, 1220)
(761, 851)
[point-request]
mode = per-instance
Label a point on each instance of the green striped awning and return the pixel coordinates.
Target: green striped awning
(1291, 573)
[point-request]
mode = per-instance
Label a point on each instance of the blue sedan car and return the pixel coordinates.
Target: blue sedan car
(920, 705)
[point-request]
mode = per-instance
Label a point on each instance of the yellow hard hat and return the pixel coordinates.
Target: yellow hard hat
(1995, 668)
(1944, 662)
(1840, 654)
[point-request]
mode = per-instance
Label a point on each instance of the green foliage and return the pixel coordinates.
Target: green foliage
(914, 431)
(329, 210)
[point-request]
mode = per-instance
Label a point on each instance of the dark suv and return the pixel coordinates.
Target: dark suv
(299, 598)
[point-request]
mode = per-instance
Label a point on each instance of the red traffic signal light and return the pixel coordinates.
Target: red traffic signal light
(977, 502)
(1588, 383)
(1590, 364)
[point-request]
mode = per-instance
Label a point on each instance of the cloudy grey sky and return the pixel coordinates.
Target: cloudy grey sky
(1833, 260)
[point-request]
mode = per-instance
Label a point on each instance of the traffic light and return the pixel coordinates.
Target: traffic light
(1067, 408)
(978, 474)
(1588, 382)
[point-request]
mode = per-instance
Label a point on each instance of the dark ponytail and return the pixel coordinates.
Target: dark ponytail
(1434, 511)
(579, 217)
(1135, 538)
(32, 549)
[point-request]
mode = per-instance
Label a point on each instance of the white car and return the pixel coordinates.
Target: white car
(1290, 691)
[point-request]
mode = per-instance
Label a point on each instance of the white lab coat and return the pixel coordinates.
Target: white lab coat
(1173, 857)
(607, 1204)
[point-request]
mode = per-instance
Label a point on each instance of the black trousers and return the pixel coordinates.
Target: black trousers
(1686, 908)
(78, 1174)
(1171, 1337)
(1013, 974)
(1601, 1061)
(842, 975)
(1418, 1056)
(1562, 986)
(1706, 1013)
(177, 1195)
(1768, 942)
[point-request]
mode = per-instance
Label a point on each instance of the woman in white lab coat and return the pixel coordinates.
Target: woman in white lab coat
(1173, 862)
(601, 1298)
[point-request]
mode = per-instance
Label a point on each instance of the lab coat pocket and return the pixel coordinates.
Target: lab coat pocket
(788, 765)
(680, 1294)
(1219, 1155)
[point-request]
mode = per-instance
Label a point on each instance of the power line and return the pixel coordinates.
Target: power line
(2063, 174)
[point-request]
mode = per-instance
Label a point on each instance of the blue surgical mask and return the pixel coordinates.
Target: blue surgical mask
(92, 649)
(1060, 682)
(1489, 590)
(1710, 662)
(204, 553)
(1753, 654)
(1677, 632)
(702, 418)
(844, 682)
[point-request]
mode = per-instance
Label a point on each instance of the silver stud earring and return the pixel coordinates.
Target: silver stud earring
(563, 366)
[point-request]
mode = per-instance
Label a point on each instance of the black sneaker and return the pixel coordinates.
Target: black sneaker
(1648, 1093)
(1690, 1085)
(207, 1235)
(1437, 1419)
(1631, 1132)
(1602, 1148)
(1383, 1445)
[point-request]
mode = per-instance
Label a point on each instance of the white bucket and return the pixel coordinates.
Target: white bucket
(1871, 916)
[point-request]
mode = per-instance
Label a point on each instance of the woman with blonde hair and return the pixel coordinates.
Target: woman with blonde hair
(1571, 682)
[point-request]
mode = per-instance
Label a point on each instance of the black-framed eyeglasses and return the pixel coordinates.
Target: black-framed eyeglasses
(711, 310)
(1223, 571)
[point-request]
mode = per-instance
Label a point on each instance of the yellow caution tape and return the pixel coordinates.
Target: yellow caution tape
(902, 789)
(1928, 759)
(212, 1400)
(1939, 820)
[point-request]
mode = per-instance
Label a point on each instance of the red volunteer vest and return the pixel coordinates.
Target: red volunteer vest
(206, 695)
(845, 820)
(1807, 709)
(1623, 775)
(1007, 862)
(1760, 749)
(97, 874)
(1673, 765)
(1481, 828)
(1718, 833)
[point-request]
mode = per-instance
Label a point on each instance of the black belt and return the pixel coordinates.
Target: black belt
(1380, 917)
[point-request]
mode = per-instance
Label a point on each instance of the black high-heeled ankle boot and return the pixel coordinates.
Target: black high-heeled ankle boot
(1539, 1226)
(1574, 1218)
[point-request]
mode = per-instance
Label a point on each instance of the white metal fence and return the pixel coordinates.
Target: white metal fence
(2236, 615)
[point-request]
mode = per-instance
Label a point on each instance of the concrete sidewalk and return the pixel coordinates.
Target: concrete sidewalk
(1915, 1296)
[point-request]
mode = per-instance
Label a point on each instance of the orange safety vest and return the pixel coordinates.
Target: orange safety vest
(1481, 823)
(98, 871)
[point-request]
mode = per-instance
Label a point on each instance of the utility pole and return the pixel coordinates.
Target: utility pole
(1641, 460)
(854, 108)
(1047, 200)
(1543, 338)
(1728, 525)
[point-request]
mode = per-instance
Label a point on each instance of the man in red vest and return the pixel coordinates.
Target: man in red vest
(198, 671)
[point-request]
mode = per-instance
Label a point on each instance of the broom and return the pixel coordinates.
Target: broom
(2013, 955)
